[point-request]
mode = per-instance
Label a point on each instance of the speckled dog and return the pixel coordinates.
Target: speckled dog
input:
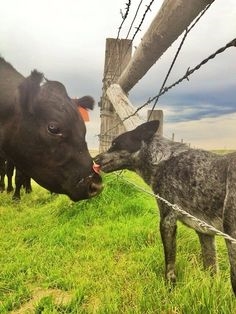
(200, 182)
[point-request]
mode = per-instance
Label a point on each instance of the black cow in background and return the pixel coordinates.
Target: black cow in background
(2, 172)
(21, 179)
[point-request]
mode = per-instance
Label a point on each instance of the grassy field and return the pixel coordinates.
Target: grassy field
(103, 255)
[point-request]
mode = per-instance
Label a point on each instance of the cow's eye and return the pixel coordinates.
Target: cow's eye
(53, 128)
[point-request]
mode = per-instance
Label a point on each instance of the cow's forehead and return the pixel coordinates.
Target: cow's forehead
(55, 93)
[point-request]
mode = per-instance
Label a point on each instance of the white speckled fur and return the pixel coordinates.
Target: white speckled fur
(200, 182)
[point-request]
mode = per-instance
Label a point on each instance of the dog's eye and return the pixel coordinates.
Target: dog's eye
(114, 145)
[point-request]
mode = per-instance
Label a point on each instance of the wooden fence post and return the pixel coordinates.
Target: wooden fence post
(156, 115)
(171, 20)
(118, 54)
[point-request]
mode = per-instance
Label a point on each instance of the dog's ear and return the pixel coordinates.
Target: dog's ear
(146, 130)
(131, 141)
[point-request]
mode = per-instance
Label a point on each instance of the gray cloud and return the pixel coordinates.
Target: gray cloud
(195, 106)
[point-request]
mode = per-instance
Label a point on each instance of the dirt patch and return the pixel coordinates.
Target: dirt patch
(59, 297)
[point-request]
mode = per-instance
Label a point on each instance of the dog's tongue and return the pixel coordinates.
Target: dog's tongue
(96, 168)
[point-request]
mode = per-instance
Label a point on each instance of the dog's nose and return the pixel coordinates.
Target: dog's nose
(97, 161)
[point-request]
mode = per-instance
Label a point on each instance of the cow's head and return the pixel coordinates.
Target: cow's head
(124, 150)
(47, 140)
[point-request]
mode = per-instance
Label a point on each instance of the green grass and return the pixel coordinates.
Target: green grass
(103, 255)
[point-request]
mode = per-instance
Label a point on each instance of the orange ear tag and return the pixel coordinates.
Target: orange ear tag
(84, 113)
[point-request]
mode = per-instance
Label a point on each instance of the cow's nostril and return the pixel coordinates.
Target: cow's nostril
(95, 188)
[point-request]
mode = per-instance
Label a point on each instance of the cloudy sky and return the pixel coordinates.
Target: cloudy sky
(65, 39)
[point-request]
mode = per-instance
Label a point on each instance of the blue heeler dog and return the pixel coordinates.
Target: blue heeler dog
(200, 182)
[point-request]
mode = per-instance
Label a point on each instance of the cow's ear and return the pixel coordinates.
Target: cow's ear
(29, 89)
(86, 102)
(146, 130)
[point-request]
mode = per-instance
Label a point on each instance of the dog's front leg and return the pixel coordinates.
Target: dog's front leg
(168, 229)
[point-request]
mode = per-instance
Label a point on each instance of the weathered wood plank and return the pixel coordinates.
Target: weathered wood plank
(123, 107)
(172, 19)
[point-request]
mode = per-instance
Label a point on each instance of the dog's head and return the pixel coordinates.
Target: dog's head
(125, 148)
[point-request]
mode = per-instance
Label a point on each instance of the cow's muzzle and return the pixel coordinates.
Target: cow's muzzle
(96, 185)
(93, 184)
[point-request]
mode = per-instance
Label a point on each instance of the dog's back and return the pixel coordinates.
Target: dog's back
(194, 179)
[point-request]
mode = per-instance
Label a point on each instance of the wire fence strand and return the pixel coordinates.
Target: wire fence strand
(187, 31)
(135, 16)
(124, 17)
(138, 28)
(179, 210)
(189, 72)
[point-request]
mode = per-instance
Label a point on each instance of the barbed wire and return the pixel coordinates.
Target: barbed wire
(134, 18)
(131, 41)
(148, 8)
(138, 28)
(179, 210)
(187, 31)
(124, 17)
(189, 72)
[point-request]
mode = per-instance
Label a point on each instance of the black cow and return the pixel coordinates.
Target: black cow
(42, 133)
(21, 179)
(2, 172)
(200, 182)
